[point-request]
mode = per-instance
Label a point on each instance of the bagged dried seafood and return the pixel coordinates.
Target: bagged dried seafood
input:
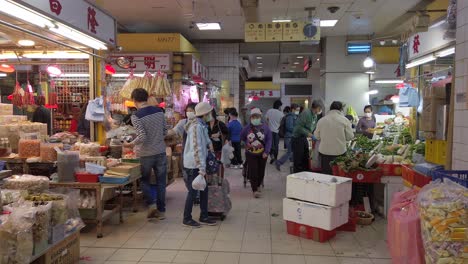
(16, 237)
(33, 184)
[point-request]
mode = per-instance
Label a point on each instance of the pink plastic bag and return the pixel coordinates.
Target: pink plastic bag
(404, 230)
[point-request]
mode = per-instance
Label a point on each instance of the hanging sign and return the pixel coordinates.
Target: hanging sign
(194, 68)
(264, 93)
(424, 43)
(151, 62)
(78, 14)
(282, 31)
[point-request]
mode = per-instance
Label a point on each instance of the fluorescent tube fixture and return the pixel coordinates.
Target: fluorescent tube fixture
(446, 52)
(259, 58)
(125, 75)
(389, 81)
(12, 9)
(26, 43)
(259, 63)
(420, 61)
(371, 92)
(436, 24)
(281, 20)
(300, 57)
(370, 72)
(75, 75)
(79, 37)
(3, 74)
(328, 23)
(209, 26)
(358, 47)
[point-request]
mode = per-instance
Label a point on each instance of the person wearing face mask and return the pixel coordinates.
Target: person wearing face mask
(197, 145)
(179, 129)
(258, 139)
(334, 131)
(273, 119)
(235, 129)
(366, 123)
(290, 122)
(150, 125)
(304, 128)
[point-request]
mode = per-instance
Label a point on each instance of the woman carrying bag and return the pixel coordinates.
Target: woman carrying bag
(258, 139)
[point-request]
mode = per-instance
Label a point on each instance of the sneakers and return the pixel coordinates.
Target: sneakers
(208, 222)
(192, 223)
(241, 166)
(272, 160)
(256, 195)
(277, 166)
(155, 214)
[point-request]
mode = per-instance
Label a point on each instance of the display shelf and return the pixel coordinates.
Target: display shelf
(104, 211)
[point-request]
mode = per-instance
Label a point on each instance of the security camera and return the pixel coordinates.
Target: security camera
(333, 9)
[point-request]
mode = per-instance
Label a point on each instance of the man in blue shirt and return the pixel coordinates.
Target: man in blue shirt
(235, 128)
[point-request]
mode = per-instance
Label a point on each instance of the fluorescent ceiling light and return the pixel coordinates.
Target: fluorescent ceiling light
(259, 58)
(3, 74)
(48, 55)
(123, 75)
(370, 72)
(281, 20)
(260, 67)
(420, 61)
(54, 70)
(26, 43)
(79, 37)
(209, 26)
(291, 71)
(446, 52)
(371, 92)
(12, 9)
(259, 63)
(389, 81)
(300, 57)
(296, 63)
(328, 23)
(436, 24)
(75, 75)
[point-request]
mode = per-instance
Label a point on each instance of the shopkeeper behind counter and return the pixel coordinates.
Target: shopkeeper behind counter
(366, 123)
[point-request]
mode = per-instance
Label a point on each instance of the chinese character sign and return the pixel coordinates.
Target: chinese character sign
(416, 44)
(150, 63)
(92, 21)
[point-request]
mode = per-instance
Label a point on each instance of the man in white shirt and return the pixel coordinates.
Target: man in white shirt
(273, 118)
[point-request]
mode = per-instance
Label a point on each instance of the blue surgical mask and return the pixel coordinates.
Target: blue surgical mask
(256, 121)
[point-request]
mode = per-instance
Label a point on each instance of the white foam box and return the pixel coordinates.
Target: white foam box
(319, 188)
(6, 109)
(315, 215)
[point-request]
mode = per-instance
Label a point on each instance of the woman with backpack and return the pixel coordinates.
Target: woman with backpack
(286, 130)
(258, 139)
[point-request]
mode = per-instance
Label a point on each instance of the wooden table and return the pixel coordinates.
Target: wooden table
(103, 211)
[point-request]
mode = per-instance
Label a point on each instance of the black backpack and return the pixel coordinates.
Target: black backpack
(282, 128)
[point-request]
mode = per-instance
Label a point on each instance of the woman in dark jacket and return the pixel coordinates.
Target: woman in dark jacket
(219, 134)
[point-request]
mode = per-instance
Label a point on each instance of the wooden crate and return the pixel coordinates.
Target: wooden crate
(65, 252)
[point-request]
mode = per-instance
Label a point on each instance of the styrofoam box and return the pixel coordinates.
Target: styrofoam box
(318, 188)
(315, 215)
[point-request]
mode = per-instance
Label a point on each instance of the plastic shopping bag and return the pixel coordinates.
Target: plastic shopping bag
(316, 161)
(227, 154)
(404, 230)
(199, 183)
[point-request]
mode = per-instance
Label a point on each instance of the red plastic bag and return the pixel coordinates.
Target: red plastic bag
(404, 229)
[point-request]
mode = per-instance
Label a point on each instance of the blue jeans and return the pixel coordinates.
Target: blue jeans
(274, 145)
(289, 154)
(155, 194)
(190, 175)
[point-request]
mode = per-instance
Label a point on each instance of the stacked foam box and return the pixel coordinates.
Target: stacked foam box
(316, 204)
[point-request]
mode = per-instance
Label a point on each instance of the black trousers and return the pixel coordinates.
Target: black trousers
(274, 146)
(326, 160)
(237, 160)
(300, 148)
(255, 170)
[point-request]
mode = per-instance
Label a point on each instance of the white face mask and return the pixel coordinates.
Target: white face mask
(319, 113)
(368, 114)
(190, 115)
(296, 112)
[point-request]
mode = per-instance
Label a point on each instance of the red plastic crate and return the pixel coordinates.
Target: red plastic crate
(420, 180)
(86, 177)
(309, 232)
(407, 173)
(336, 170)
(351, 226)
(391, 169)
(371, 176)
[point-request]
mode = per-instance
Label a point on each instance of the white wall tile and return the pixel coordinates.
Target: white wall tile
(460, 68)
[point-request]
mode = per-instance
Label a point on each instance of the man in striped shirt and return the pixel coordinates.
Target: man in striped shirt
(150, 124)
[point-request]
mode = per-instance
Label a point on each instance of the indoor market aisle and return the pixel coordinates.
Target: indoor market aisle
(253, 233)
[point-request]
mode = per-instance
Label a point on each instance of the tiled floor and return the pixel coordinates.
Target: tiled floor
(253, 233)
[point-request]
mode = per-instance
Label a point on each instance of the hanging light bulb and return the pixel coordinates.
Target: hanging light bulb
(54, 70)
(7, 68)
(368, 62)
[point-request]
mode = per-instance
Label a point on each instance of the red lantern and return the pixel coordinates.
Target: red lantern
(109, 69)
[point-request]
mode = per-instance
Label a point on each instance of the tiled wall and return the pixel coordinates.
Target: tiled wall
(460, 136)
(222, 61)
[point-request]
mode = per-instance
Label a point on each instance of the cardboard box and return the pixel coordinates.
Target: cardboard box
(436, 92)
(319, 188)
(315, 215)
(429, 115)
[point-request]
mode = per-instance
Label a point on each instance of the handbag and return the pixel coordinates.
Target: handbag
(212, 164)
